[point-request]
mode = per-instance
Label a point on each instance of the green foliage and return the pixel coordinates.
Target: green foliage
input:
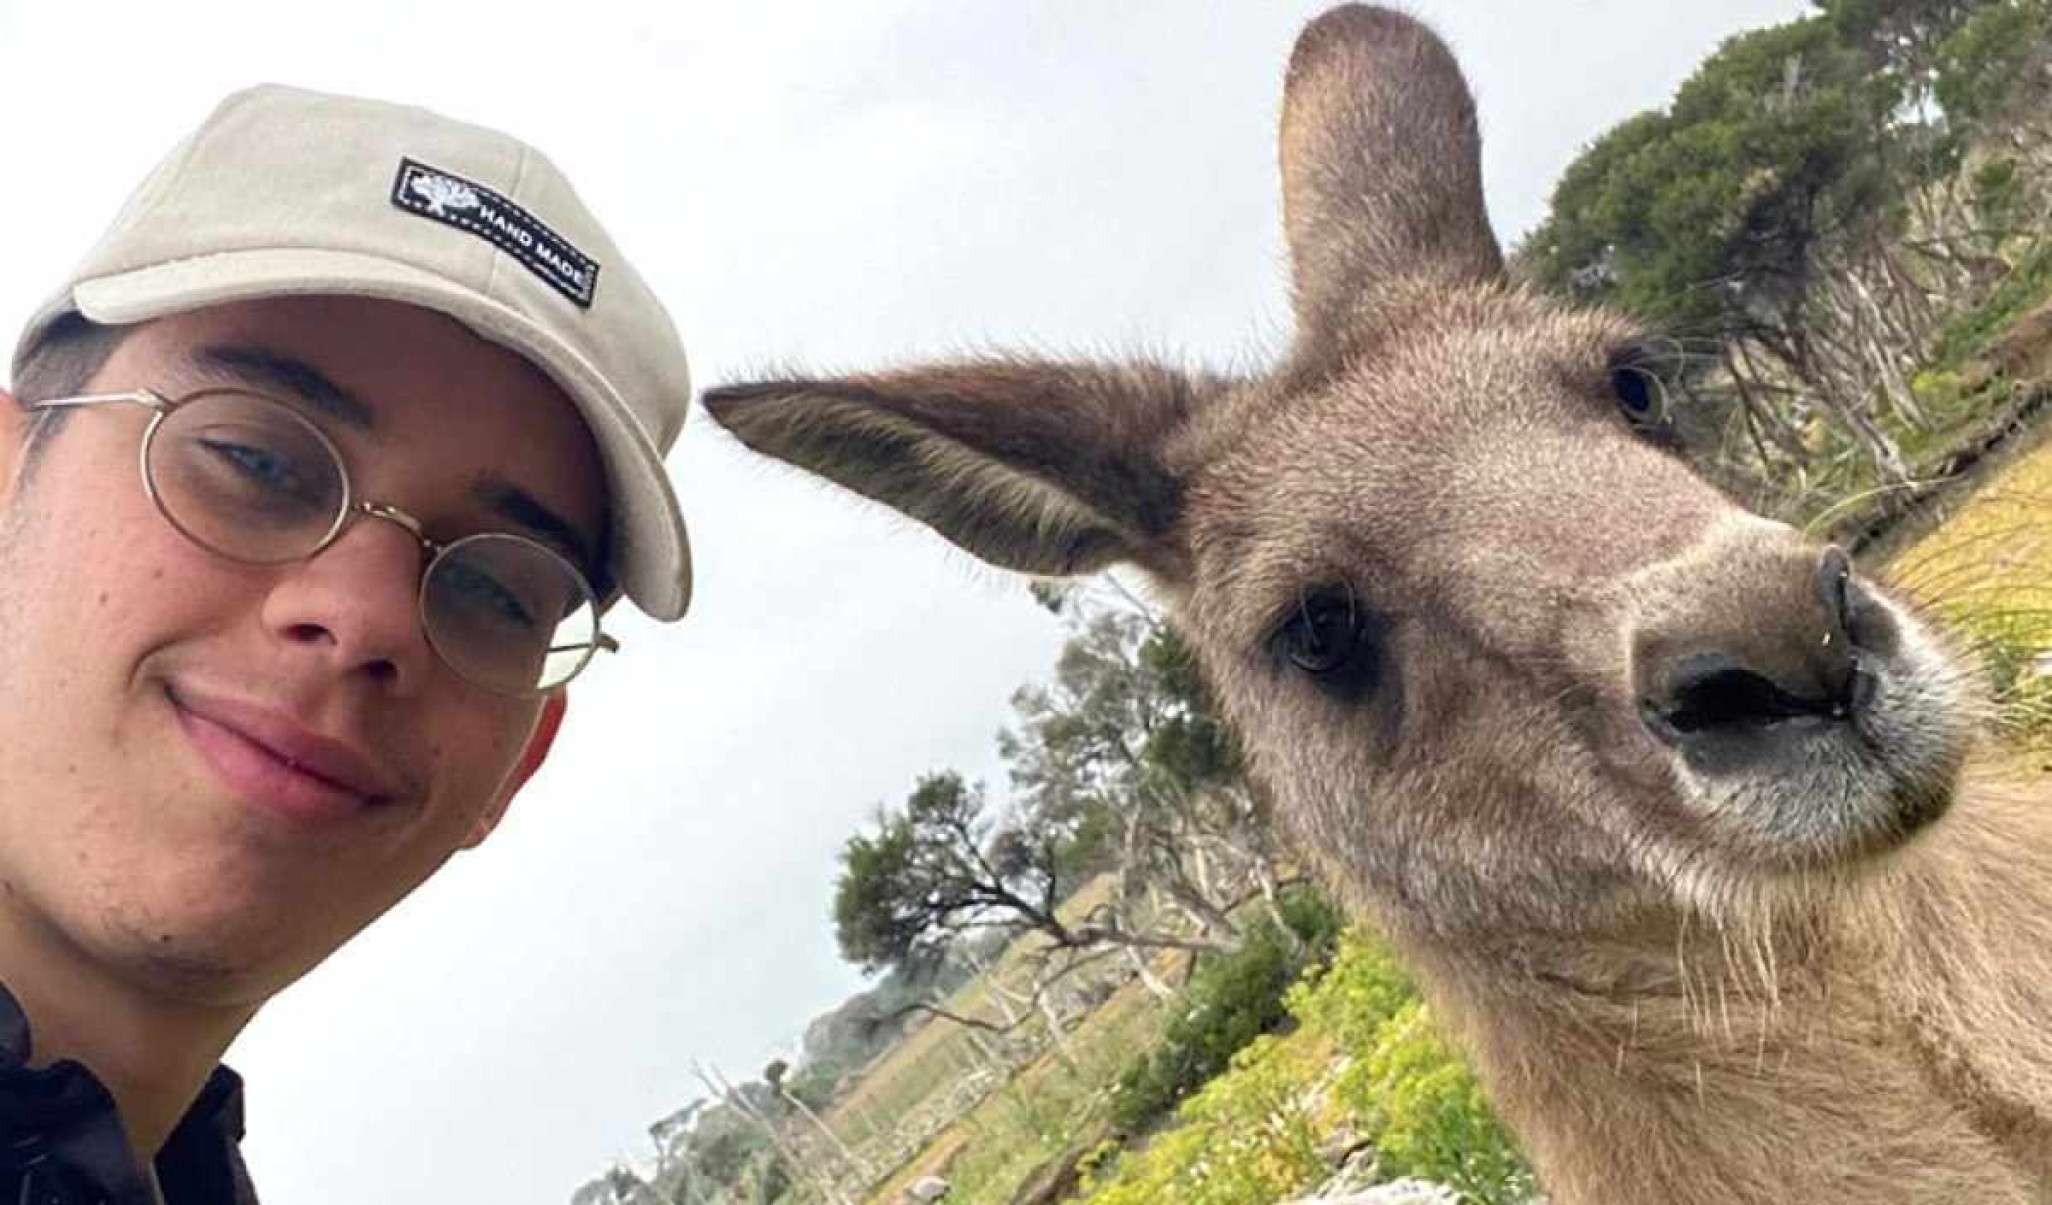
(1231, 1000)
(1126, 707)
(876, 920)
(1123, 757)
(1703, 217)
(1250, 1136)
(723, 1145)
(1191, 744)
(1428, 1114)
(1822, 202)
(2026, 286)
(941, 867)
(1409, 1091)
(1357, 997)
(1896, 27)
(1979, 62)
(1247, 1138)
(1315, 921)
(1998, 192)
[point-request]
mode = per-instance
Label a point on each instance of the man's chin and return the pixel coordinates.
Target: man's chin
(209, 960)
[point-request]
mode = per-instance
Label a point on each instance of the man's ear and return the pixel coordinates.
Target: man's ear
(531, 758)
(13, 430)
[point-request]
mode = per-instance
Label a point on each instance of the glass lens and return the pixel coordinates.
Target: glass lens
(508, 614)
(246, 476)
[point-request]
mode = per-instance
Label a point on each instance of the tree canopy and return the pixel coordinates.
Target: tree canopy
(1804, 218)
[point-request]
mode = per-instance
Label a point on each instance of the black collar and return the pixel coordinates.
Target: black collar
(61, 1138)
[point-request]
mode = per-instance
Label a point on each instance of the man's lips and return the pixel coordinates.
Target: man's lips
(271, 759)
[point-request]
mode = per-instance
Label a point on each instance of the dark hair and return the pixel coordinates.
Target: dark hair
(65, 357)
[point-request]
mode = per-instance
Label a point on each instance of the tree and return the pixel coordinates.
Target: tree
(1794, 218)
(1125, 747)
(1117, 764)
(937, 868)
(1703, 217)
(1980, 66)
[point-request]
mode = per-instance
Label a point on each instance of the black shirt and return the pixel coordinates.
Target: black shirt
(61, 1142)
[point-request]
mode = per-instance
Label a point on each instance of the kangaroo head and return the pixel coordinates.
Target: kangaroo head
(1500, 657)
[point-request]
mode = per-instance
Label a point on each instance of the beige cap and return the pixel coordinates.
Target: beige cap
(284, 191)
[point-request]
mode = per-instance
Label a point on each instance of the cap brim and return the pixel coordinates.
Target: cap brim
(650, 550)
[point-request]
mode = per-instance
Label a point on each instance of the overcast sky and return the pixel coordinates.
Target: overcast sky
(834, 185)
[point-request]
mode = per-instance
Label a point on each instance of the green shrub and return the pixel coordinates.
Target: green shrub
(1404, 1087)
(2028, 283)
(1999, 192)
(1428, 1115)
(1317, 923)
(1230, 1001)
(1250, 1136)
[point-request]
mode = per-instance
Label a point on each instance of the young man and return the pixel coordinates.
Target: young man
(400, 408)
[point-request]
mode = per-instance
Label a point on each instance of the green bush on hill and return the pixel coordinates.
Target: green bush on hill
(1231, 1000)
(1364, 1056)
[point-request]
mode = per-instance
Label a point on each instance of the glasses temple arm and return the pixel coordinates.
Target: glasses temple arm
(603, 642)
(137, 397)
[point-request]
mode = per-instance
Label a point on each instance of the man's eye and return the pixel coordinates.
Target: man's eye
(260, 465)
(248, 472)
(484, 598)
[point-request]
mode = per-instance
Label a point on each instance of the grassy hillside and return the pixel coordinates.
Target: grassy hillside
(1987, 569)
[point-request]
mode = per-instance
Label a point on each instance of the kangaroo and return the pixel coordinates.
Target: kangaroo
(1675, 815)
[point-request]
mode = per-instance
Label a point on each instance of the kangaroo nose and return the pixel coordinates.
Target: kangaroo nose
(1750, 666)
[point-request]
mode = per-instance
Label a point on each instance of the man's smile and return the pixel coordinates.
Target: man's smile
(270, 760)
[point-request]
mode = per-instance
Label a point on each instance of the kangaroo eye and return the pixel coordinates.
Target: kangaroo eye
(1639, 394)
(1320, 636)
(1331, 639)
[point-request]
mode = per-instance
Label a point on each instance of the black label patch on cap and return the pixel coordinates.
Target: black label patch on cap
(468, 205)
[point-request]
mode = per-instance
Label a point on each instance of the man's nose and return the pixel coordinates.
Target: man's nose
(356, 605)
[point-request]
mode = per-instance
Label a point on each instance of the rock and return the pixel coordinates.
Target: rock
(1342, 1146)
(926, 1190)
(1396, 1192)
(1356, 1174)
(1057, 1181)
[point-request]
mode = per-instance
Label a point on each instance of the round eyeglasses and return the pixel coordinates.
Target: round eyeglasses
(250, 478)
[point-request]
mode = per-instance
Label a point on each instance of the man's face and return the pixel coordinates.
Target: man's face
(153, 694)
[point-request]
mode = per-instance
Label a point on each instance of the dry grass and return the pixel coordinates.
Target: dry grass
(938, 1050)
(1987, 571)
(989, 1152)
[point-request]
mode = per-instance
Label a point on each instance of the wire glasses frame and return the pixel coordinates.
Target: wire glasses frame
(478, 596)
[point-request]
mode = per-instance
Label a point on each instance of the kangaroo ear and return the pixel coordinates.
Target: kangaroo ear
(1381, 172)
(1046, 468)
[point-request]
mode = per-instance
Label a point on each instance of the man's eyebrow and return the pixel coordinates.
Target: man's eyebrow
(509, 501)
(264, 368)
